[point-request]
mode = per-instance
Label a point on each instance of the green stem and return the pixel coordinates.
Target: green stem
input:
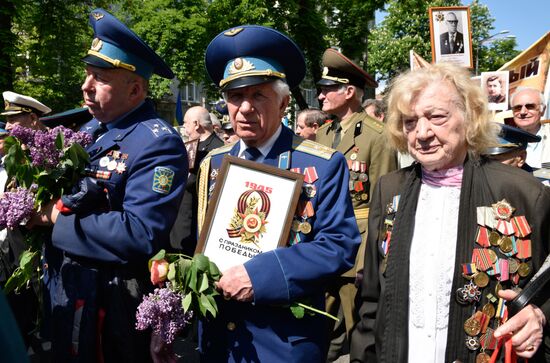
(311, 308)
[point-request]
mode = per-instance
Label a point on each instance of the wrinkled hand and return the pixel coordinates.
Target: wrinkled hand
(160, 351)
(235, 284)
(46, 217)
(526, 327)
(87, 195)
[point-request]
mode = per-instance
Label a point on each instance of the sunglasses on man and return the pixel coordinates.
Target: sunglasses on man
(528, 106)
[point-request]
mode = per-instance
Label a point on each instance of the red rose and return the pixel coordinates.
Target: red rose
(159, 271)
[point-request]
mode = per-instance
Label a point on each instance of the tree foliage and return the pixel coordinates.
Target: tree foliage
(43, 41)
(391, 41)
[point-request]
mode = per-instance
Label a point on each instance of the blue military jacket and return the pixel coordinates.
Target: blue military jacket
(98, 262)
(142, 162)
(265, 330)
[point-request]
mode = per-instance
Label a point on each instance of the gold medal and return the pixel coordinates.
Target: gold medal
(295, 226)
(489, 310)
(506, 244)
(492, 256)
(472, 327)
(305, 227)
(483, 358)
(357, 197)
(523, 269)
(481, 279)
(513, 265)
(364, 196)
(494, 238)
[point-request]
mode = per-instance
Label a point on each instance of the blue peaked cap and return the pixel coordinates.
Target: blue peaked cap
(116, 46)
(511, 138)
(70, 118)
(252, 54)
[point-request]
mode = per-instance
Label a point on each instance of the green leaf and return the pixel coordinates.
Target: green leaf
(59, 141)
(214, 271)
(297, 311)
(202, 262)
(203, 282)
(192, 284)
(186, 302)
(213, 305)
(204, 305)
(172, 273)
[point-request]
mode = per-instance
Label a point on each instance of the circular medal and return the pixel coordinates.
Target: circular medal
(483, 358)
(353, 156)
(472, 327)
(472, 343)
(498, 287)
(489, 310)
(494, 238)
(506, 245)
(481, 279)
(460, 298)
(310, 190)
(364, 196)
(214, 174)
(523, 269)
(305, 227)
(363, 177)
(357, 197)
(353, 175)
(513, 265)
(104, 161)
(252, 223)
(295, 226)
(492, 256)
(112, 165)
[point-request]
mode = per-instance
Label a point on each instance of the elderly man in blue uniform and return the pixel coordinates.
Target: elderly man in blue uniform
(254, 67)
(103, 235)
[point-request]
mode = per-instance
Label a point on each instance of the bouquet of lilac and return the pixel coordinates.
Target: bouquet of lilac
(41, 166)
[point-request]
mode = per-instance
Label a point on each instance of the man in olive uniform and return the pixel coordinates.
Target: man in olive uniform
(359, 137)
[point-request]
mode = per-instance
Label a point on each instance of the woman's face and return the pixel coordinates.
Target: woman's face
(435, 129)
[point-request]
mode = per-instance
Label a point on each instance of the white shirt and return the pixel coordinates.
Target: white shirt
(432, 257)
(265, 148)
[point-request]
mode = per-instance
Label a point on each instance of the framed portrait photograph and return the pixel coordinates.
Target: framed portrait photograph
(451, 36)
(192, 147)
(496, 86)
(250, 212)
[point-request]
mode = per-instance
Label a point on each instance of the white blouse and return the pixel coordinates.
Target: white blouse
(432, 266)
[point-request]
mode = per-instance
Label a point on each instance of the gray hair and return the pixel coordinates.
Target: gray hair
(379, 106)
(214, 120)
(313, 116)
(521, 89)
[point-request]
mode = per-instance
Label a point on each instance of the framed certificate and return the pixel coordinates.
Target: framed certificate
(451, 36)
(250, 212)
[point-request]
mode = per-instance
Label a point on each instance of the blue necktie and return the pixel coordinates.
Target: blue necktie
(101, 129)
(252, 154)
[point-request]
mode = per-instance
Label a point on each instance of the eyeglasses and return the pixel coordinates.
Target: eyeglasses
(528, 106)
(452, 21)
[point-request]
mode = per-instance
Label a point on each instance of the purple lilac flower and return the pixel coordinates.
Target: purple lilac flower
(15, 207)
(72, 137)
(162, 312)
(24, 134)
(43, 151)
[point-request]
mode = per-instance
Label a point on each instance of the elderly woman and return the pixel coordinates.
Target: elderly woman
(449, 236)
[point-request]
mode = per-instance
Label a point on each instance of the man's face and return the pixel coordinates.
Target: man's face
(494, 88)
(452, 22)
(190, 126)
(229, 136)
(333, 99)
(107, 92)
(24, 119)
(527, 111)
(371, 111)
(255, 112)
(305, 131)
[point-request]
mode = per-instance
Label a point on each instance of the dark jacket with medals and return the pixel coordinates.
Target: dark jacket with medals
(381, 335)
(368, 158)
(457, 44)
(183, 236)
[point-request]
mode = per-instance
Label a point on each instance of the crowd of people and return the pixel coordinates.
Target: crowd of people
(415, 258)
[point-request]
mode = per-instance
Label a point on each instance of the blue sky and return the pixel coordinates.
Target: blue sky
(528, 20)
